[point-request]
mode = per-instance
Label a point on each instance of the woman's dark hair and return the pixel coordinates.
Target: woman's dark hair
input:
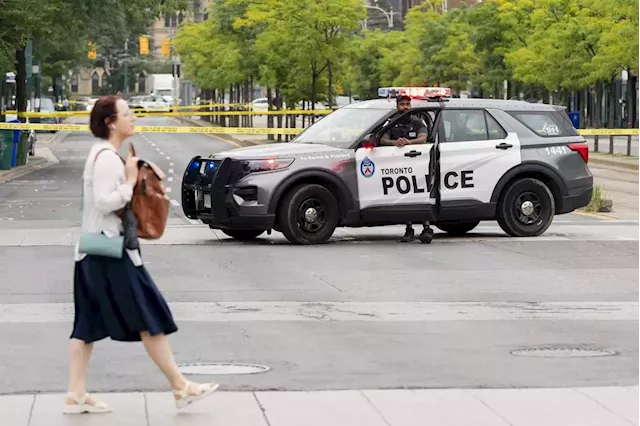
(102, 115)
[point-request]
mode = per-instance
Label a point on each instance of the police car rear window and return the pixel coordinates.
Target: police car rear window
(546, 123)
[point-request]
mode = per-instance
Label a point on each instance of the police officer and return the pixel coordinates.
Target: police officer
(408, 130)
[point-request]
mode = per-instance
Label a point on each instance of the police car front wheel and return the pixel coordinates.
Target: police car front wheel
(526, 209)
(308, 214)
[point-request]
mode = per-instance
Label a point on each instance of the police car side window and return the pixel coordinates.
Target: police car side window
(464, 125)
(471, 125)
(494, 129)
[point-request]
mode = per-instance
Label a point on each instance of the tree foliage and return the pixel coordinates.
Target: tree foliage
(61, 29)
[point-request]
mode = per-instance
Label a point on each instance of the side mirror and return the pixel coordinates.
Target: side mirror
(369, 141)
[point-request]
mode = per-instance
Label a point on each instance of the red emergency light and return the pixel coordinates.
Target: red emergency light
(415, 92)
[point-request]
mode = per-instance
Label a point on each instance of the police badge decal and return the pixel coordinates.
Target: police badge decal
(367, 167)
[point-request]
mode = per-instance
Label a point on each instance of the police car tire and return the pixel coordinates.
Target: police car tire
(287, 215)
(506, 215)
(456, 227)
(243, 234)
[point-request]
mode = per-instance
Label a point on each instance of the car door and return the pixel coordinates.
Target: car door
(475, 152)
(396, 184)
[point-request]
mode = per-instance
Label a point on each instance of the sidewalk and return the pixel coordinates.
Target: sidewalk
(603, 406)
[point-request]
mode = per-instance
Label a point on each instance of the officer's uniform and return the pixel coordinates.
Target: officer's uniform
(409, 128)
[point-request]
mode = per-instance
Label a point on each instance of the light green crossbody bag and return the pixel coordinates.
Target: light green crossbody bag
(97, 243)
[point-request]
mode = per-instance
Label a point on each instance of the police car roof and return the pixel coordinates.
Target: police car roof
(386, 103)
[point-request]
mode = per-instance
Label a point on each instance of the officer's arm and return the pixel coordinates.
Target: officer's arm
(386, 140)
(423, 132)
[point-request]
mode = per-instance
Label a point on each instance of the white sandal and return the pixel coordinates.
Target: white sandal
(183, 398)
(81, 406)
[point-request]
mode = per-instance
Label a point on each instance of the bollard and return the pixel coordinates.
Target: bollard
(595, 144)
(610, 144)
(628, 145)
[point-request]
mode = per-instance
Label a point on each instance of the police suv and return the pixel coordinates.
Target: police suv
(515, 162)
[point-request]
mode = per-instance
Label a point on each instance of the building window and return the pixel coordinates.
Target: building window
(95, 83)
(74, 83)
(171, 21)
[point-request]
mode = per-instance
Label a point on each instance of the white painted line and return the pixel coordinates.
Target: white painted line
(170, 179)
(175, 203)
(153, 144)
(170, 171)
(328, 311)
(168, 190)
(172, 164)
(168, 158)
(161, 153)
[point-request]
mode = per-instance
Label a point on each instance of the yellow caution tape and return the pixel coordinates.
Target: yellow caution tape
(608, 132)
(157, 129)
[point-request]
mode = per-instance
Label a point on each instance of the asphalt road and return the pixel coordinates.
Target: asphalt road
(360, 312)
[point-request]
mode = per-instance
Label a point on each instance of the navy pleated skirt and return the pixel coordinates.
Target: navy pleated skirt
(114, 298)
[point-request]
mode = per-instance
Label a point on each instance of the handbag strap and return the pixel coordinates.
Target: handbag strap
(93, 164)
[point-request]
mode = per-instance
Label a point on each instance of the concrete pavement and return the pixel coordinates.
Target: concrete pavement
(609, 406)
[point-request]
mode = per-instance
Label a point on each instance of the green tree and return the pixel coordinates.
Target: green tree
(53, 25)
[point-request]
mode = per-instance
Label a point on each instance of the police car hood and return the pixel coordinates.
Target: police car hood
(275, 150)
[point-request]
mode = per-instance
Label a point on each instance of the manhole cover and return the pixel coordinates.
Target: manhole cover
(563, 352)
(222, 368)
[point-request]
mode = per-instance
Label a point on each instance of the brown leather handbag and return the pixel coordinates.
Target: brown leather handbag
(149, 203)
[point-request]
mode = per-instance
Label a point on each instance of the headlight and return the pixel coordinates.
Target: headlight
(266, 165)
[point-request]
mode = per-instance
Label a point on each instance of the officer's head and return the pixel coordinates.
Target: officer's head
(403, 103)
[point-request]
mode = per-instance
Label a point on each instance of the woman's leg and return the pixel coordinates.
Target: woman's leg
(80, 354)
(159, 350)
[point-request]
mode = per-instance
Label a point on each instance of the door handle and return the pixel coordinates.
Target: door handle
(412, 153)
(504, 146)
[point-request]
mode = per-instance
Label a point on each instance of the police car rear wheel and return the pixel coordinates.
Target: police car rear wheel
(526, 209)
(242, 235)
(456, 227)
(308, 214)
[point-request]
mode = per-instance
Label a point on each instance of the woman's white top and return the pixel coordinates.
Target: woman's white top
(105, 191)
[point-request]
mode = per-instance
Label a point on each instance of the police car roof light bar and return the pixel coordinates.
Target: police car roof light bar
(425, 93)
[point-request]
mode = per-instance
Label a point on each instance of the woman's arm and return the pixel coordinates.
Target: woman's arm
(111, 190)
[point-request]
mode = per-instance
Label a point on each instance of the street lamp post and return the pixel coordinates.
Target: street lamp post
(388, 15)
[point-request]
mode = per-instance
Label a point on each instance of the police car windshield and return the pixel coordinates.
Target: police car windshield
(342, 127)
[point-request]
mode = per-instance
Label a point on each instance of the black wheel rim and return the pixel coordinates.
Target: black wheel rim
(311, 215)
(528, 208)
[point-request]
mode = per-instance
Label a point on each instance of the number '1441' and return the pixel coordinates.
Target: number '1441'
(557, 150)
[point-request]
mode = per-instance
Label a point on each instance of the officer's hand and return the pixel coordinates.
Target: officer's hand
(402, 142)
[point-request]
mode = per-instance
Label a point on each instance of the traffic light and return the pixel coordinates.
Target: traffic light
(166, 47)
(93, 54)
(144, 45)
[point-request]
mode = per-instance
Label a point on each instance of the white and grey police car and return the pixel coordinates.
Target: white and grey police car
(514, 162)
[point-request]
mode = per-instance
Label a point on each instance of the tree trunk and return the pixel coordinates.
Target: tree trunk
(21, 82)
(631, 100)
(279, 108)
(330, 71)
(269, 117)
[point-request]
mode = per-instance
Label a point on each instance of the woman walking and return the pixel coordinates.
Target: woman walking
(114, 296)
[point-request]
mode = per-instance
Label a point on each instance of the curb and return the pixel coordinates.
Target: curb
(37, 163)
(240, 143)
(44, 158)
(613, 163)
